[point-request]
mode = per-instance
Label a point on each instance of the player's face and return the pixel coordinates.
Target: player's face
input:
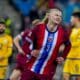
(55, 16)
(73, 20)
(2, 28)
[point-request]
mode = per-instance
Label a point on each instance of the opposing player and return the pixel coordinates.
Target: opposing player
(72, 63)
(6, 44)
(24, 49)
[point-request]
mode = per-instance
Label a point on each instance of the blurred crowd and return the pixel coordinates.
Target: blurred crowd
(31, 10)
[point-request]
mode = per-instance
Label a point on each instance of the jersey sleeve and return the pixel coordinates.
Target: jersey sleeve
(76, 41)
(9, 48)
(67, 44)
(26, 36)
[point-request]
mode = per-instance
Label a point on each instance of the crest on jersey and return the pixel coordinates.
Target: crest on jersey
(50, 39)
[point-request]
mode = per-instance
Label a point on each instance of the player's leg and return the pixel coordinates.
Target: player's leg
(20, 64)
(67, 69)
(15, 74)
(66, 76)
(28, 75)
(3, 71)
(76, 68)
(44, 77)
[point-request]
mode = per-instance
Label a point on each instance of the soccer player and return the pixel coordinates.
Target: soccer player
(23, 53)
(6, 44)
(47, 39)
(24, 50)
(72, 63)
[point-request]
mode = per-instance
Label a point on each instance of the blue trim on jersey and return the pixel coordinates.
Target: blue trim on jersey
(50, 31)
(45, 52)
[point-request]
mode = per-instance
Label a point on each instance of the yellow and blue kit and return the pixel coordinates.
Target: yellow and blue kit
(6, 44)
(72, 63)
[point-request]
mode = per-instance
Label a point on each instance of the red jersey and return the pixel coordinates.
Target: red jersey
(27, 45)
(48, 43)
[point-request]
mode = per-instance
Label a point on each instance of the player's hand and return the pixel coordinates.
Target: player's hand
(1, 58)
(62, 47)
(60, 60)
(35, 53)
(21, 51)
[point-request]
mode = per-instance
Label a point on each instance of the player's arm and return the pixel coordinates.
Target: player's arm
(9, 48)
(67, 44)
(35, 53)
(17, 44)
(64, 49)
(63, 52)
(15, 74)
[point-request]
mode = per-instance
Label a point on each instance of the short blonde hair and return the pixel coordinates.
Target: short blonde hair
(36, 21)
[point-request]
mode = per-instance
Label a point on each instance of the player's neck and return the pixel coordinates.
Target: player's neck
(51, 27)
(78, 25)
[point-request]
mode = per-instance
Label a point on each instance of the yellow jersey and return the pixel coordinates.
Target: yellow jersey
(6, 44)
(75, 42)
